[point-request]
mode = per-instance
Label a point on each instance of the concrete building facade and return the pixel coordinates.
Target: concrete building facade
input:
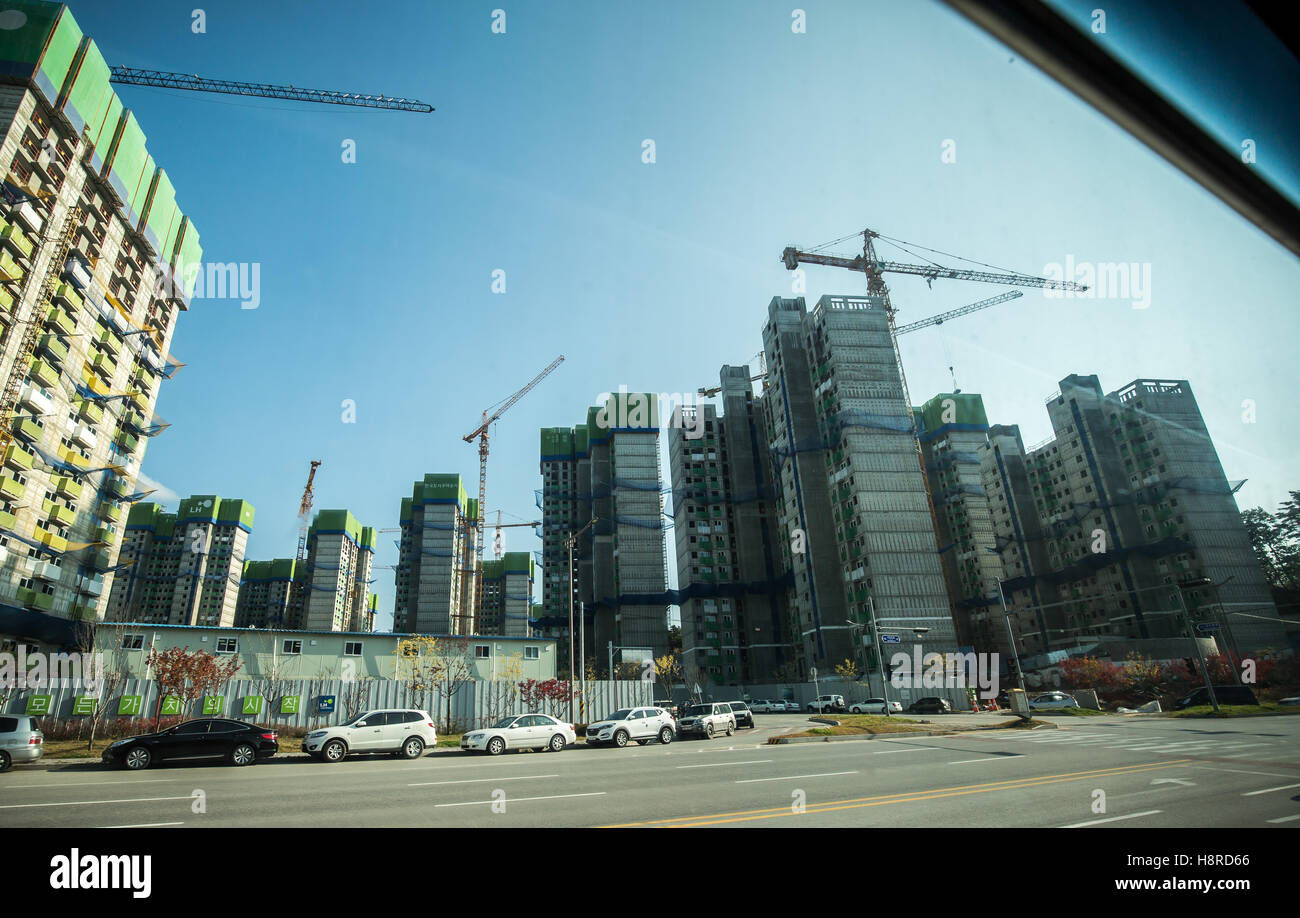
(93, 259)
(508, 595)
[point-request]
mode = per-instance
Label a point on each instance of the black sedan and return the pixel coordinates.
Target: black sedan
(238, 743)
(932, 705)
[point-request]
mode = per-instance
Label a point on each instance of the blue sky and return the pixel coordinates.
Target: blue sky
(376, 275)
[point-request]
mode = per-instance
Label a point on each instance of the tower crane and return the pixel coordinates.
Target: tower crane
(196, 83)
(481, 434)
(299, 567)
(961, 311)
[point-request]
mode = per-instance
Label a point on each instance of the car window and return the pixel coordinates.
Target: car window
(225, 726)
(375, 719)
(193, 728)
(8, 724)
(619, 715)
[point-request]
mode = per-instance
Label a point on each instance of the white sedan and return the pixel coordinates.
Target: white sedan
(763, 706)
(875, 706)
(523, 731)
(1052, 700)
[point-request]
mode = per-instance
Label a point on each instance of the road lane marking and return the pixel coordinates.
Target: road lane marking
(1285, 818)
(96, 783)
(480, 780)
(26, 806)
(1238, 771)
(1269, 790)
(913, 749)
(519, 799)
(145, 825)
(1097, 822)
(828, 774)
(724, 764)
(990, 758)
(909, 797)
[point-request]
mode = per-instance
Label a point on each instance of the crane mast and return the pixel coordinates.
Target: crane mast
(299, 591)
(481, 433)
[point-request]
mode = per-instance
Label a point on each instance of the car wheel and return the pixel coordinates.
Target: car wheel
(496, 746)
(413, 748)
(731, 728)
(708, 731)
(137, 759)
(5, 761)
(557, 742)
(666, 736)
(243, 754)
(620, 739)
(334, 751)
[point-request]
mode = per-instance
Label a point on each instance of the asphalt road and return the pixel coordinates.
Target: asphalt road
(1144, 771)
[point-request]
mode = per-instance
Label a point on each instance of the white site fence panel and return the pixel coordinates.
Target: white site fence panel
(470, 705)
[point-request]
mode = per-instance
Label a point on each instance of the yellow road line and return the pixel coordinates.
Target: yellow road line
(909, 797)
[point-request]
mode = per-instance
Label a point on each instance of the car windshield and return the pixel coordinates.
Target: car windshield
(699, 710)
(620, 715)
(361, 718)
(503, 723)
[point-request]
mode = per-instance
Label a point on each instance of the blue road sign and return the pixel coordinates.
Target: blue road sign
(890, 639)
(325, 704)
(1207, 626)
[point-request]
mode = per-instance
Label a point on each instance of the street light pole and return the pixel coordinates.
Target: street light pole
(1196, 645)
(880, 654)
(1011, 638)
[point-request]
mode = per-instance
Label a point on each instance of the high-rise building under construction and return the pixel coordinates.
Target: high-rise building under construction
(607, 470)
(95, 259)
(182, 568)
(731, 576)
(858, 533)
(1123, 523)
(435, 574)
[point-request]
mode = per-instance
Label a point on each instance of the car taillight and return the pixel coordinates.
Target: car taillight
(269, 735)
(34, 741)
(431, 726)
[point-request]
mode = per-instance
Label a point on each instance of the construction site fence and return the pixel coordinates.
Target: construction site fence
(473, 704)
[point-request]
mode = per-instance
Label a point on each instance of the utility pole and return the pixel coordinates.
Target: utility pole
(571, 540)
(880, 654)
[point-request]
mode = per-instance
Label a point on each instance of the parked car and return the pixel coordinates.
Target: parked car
(709, 719)
(403, 731)
(521, 731)
(237, 742)
(20, 740)
(744, 714)
(931, 705)
(761, 706)
(1224, 694)
(1052, 700)
(790, 705)
(828, 704)
(640, 724)
(669, 706)
(875, 706)
(1292, 701)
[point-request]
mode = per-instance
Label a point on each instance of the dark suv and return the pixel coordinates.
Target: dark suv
(744, 716)
(932, 705)
(1223, 694)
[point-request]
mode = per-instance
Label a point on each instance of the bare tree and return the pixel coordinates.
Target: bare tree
(356, 698)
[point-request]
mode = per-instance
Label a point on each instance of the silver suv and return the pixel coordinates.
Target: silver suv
(20, 740)
(640, 724)
(708, 720)
(405, 732)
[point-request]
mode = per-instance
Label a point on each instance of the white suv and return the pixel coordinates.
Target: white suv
(640, 724)
(709, 719)
(827, 703)
(406, 732)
